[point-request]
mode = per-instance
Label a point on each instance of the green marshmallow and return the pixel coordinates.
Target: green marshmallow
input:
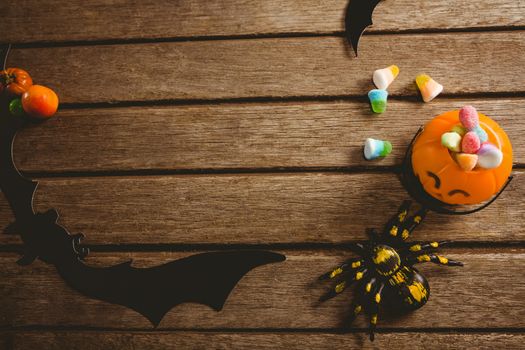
(378, 106)
(387, 149)
(378, 100)
(460, 129)
(452, 141)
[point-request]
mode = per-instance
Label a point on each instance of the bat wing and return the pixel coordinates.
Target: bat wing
(358, 17)
(206, 278)
(18, 190)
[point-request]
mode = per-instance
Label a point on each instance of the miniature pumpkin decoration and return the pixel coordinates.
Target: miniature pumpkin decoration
(443, 178)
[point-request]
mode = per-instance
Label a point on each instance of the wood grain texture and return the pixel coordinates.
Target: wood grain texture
(91, 340)
(280, 67)
(485, 293)
(116, 19)
(252, 135)
(258, 208)
(134, 53)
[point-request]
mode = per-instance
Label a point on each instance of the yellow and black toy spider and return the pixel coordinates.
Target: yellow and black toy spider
(384, 269)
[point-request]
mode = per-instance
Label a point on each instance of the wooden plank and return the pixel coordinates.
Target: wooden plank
(280, 67)
(100, 20)
(486, 293)
(271, 135)
(255, 208)
(92, 340)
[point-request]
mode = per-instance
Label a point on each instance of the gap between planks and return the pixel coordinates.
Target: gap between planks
(338, 34)
(254, 209)
(150, 20)
(480, 246)
(275, 68)
(231, 138)
(108, 340)
(271, 292)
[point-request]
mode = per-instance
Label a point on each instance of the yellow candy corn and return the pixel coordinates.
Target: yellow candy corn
(428, 87)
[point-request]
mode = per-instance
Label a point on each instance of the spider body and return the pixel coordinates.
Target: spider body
(407, 289)
(405, 286)
(384, 272)
(386, 260)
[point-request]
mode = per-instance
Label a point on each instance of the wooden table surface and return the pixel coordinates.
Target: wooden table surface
(198, 125)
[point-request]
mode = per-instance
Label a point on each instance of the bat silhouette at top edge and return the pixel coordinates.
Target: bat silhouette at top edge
(206, 278)
(358, 17)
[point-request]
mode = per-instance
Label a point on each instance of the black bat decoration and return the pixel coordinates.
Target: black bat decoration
(206, 278)
(358, 17)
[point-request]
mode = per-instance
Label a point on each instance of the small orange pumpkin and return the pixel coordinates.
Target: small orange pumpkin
(440, 175)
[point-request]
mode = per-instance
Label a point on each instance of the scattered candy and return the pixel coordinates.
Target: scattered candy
(384, 77)
(428, 87)
(459, 129)
(489, 156)
(378, 100)
(468, 116)
(376, 148)
(482, 134)
(15, 107)
(470, 119)
(452, 141)
(470, 138)
(467, 161)
(470, 142)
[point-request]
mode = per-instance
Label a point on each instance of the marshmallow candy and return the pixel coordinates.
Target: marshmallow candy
(470, 143)
(482, 134)
(459, 129)
(384, 77)
(452, 141)
(489, 156)
(428, 87)
(468, 116)
(378, 100)
(376, 148)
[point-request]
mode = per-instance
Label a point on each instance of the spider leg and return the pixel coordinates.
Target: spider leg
(359, 249)
(370, 285)
(357, 304)
(436, 259)
(412, 223)
(392, 227)
(374, 310)
(422, 247)
(347, 266)
(342, 285)
(373, 235)
(356, 308)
